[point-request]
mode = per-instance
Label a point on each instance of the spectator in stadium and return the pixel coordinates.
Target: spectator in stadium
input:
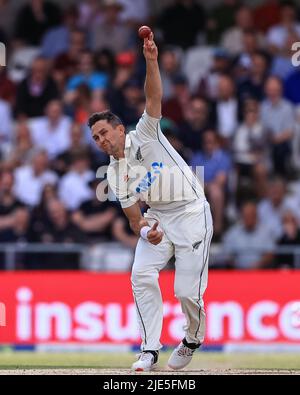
(195, 123)
(7, 87)
(111, 33)
(30, 179)
(290, 237)
(272, 208)
(64, 65)
(282, 66)
(184, 13)
(233, 39)
(221, 65)
(248, 244)
(39, 214)
(250, 149)
(135, 13)
(291, 86)
(8, 200)
(243, 61)
(175, 107)
(170, 68)
(266, 15)
(296, 141)
(90, 14)
(278, 34)
(220, 19)
(60, 230)
(87, 74)
(34, 19)
(277, 116)
(122, 233)
(95, 217)
(78, 145)
(52, 131)
(74, 186)
(125, 101)
(57, 40)
(253, 85)
(36, 90)
(217, 164)
(18, 232)
(21, 148)
(227, 108)
(6, 125)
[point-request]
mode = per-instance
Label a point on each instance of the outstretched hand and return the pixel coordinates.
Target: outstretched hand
(150, 48)
(155, 236)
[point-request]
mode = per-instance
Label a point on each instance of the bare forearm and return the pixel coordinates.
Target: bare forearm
(153, 85)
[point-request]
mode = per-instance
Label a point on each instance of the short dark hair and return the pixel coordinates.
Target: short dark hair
(107, 115)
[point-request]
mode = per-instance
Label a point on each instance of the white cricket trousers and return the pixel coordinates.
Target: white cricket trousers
(187, 235)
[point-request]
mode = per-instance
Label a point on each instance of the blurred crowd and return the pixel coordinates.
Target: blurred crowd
(231, 104)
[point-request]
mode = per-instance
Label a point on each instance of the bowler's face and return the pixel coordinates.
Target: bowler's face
(106, 136)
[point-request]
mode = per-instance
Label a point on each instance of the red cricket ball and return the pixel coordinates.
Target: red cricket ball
(144, 32)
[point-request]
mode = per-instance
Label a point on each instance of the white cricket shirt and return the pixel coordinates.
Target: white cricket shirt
(152, 170)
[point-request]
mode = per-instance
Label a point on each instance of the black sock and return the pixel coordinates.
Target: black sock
(192, 346)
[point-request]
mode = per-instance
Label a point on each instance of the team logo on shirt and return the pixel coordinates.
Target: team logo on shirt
(138, 155)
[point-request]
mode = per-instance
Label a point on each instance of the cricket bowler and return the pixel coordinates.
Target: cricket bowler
(145, 166)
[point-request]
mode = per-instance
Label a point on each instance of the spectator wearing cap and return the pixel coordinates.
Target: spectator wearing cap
(277, 116)
(36, 90)
(111, 33)
(196, 121)
(174, 107)
(74, 186)
(216, 164)
(248, 244)
(277, 35)
(52, 131)
(31, 179)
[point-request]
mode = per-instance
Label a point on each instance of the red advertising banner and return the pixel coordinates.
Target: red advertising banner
(81, 308)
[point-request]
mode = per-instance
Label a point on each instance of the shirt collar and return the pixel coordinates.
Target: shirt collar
(127, 146)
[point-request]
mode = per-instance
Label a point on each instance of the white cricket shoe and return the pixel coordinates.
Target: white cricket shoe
(181, 357)
(147, 361)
